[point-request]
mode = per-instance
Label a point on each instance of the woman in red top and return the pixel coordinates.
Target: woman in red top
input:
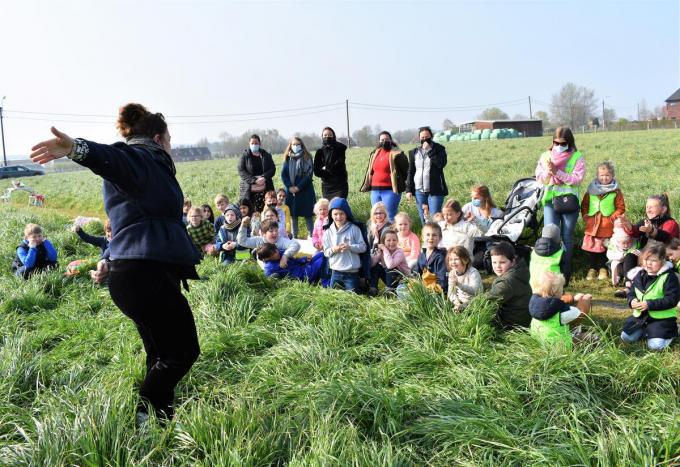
(386, 174)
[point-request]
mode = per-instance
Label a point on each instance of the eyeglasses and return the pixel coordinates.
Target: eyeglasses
(560, 143)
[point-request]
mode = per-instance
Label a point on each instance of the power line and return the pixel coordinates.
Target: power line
(431, 109)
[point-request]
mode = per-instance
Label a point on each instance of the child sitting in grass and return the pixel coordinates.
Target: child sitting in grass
(226, 242)
(201, 232)
(270, 234)
(455, 229)
(303, 269)
(388, 262)
(408, 241)
(185, 210)
(653, 297)
(101, 242)
(221, 203)
(550, 316)
(510, 288)
(548, 252)
(432, 260)
(673, 254)
(619, 245)
(343, 242)
(464, 280)
(34, 254)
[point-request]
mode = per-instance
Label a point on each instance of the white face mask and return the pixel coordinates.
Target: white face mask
(560, 149)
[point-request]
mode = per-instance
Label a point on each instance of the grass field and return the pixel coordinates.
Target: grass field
(292, 374)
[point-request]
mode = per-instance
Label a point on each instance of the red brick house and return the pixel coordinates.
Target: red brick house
(673, 106)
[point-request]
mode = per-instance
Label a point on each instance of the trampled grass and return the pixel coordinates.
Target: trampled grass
(293, 374)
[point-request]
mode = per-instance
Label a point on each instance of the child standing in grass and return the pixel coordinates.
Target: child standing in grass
(653, 297)
(34, 254)
(464, 280)
(510, 288)
(321, 211)
(285, 217)
(550, 316)
(432, 260)
(342, 244)
(408, 241)
(602, 204)
(201, 232)
(455, 229)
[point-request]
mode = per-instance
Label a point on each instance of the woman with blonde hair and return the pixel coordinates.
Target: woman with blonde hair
(296, 175)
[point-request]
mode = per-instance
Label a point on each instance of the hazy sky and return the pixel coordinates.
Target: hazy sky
(237, 58)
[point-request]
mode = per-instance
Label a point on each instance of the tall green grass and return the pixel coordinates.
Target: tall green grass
(293, 374)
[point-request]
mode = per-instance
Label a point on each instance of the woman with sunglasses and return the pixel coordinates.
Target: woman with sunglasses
(561, 169)
(150, 252)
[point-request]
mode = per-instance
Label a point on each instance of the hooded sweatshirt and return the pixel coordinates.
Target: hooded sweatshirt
(513, 293)
(350, 233)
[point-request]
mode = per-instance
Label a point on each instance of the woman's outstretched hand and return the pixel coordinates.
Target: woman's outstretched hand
(53, 148)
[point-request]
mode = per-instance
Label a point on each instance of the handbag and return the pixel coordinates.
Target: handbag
(565, 204)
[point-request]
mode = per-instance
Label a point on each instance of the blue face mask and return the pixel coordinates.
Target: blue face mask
(476, 202)
(297, 149)
(254, 148)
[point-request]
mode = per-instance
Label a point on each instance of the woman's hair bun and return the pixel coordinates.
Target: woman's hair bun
(136, 120)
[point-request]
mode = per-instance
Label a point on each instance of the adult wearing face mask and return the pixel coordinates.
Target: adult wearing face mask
(296, 175)
(256, 169)
(425, 178)
(561, 169)
(386, 174)
(329, 166)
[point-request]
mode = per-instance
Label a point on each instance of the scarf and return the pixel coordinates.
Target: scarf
(233, 225)
(154, 147)
(597, 189)
(298, 166)
(560, 159)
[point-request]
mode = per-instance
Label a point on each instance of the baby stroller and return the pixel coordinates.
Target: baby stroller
(518, 224)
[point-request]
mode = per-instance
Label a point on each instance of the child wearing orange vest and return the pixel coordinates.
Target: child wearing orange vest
(602, 204)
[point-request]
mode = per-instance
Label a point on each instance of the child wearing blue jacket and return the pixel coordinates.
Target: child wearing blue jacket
(302, 269)
(432, 258)
(101, 242)
(34, 254)
(226, 241)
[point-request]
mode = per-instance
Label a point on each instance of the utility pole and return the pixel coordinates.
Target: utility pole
(638, 107)
(2, 132)
(347, 114)
(604, 121)
(530, 114)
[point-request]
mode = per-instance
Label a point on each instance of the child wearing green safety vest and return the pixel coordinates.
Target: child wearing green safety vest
(548, 253)
(602, 204)
(653, 297)
(550, 316)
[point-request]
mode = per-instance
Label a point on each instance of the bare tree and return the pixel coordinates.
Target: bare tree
(573, 106)
(543, 115)
(447, 124)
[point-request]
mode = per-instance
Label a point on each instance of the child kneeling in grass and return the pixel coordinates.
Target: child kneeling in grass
(653, 297)
(342, 244)
(34, 254)
(511, 288)
(550, 316)
(303, 269)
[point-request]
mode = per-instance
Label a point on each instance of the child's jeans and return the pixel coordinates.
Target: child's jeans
(348, 280)
(654, 343)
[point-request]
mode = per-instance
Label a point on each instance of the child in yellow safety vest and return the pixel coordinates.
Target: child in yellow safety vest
(602, 204)
(548, 253)
(653, 298)
(550, 316)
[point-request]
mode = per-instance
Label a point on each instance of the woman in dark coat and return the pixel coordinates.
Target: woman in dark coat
(296, 175)
(425, 179)
(329, 166)
(256, 169)
(150, 252)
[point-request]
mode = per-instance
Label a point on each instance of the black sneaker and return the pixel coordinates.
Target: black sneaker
(621, 293)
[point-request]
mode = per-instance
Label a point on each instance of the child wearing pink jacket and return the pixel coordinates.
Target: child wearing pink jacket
(321, 211)
(388, 262)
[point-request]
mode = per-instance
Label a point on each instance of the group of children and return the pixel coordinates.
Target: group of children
(344, 252)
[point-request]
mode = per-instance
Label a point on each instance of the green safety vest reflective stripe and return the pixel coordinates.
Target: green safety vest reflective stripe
(654, 292)
(551, 330)
(605, 205)
(540, 264)
(556, 190)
